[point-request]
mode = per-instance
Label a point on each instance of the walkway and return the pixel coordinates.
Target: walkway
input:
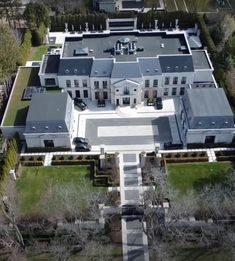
(134, 240)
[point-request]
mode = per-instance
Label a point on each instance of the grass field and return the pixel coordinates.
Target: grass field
(17, 109)
(191, 176)
(42, 189)
(37, 52)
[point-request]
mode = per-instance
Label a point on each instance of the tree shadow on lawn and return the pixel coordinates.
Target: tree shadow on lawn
(212, 179)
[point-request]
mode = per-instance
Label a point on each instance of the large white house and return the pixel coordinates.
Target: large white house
(127, 67)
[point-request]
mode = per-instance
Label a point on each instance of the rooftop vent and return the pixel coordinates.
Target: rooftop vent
(168, 68)
(46, 127)
(156, 70)
(226, 122)
(33, 127)
(67, 71)
(59, 126)
(176, 67)
(185, 67)
(147, 70)
(213, 123)
(96, 71)
(75, 71)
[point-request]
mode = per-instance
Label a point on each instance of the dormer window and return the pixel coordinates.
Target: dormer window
(59, 126)
(46, 127)
(213, 123)
(33, 127)
(199, 123)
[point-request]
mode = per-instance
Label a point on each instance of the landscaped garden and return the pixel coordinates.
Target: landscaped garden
(37, 52)
(17, 108)
(52, 191)
(191, 176)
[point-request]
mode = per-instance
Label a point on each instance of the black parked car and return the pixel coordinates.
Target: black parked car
(80, 140)
(82, 147)
(159, 104)
(80, 103)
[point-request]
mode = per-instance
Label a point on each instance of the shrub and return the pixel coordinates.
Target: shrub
(32, 163)
(25, 47)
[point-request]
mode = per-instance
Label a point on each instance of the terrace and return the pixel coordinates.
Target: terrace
(147, 44)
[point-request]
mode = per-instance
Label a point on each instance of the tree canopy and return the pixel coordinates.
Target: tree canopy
(35, 14)
(9, 52)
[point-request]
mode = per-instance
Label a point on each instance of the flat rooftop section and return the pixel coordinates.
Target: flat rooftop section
(17, 109)
(209, 102)
(153, 44)
(200, 60)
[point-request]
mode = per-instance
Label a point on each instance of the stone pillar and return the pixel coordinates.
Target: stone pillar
(86, 28)
(117, 159)
(142, 159)
(135, 23)
(12, 174)
(102, 157)
(156, 24)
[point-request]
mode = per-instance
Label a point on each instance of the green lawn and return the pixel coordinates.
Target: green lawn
(17, 109)
(191, 176)
(42, 189)
(37, 52)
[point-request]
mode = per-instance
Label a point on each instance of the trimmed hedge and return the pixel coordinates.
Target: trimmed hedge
(32, 163)
(186, 160)
(205, 36)
(25, 47)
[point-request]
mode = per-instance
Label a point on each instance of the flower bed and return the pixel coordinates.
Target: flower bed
(225, 155)
(181, 157)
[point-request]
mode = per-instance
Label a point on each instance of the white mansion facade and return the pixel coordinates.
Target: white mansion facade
(127, 67)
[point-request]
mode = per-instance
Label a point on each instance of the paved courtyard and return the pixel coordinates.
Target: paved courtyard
(128, 131)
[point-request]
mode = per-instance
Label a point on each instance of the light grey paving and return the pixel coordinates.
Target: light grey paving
(132, 194)
(132, 169)
(162, 124)
(135, 239)
(131, 181)
(136, 255)
(129, 157)
(133, 223)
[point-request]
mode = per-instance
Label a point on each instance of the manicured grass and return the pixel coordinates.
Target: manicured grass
(17, 109)
(37, 52)
(38, 187)
(191, 176)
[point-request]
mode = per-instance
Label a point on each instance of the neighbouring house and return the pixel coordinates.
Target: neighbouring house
(207, 117)
(49, 121)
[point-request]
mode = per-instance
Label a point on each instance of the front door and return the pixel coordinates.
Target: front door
(210, 139)
(126, 101)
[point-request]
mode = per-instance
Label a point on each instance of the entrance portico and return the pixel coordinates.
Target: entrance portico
(126, 92)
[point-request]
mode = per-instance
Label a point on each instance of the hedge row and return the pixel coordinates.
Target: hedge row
(38, 35)
(76, 22)
(25, 47)
(205, 36)
(185, 160)
(32, 163)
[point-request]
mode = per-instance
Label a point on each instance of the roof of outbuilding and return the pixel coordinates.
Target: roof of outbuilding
(47, 113)
(75, 66)
(176, 63)
(208, 102)
(102, 68)
(126, 70)
(150, 66)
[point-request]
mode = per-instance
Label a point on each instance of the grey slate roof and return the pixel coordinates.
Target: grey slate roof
(102, 68)
(176, 63)
(126, 70)
(150, 66)
(200, 60)
(75, 66)
(208, 102)
(47, 113)
(51, 63)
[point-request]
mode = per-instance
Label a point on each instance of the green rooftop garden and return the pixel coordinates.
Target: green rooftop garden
(193, 175)
(17, 108)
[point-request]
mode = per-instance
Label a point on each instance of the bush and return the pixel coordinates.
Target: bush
(38, 35)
